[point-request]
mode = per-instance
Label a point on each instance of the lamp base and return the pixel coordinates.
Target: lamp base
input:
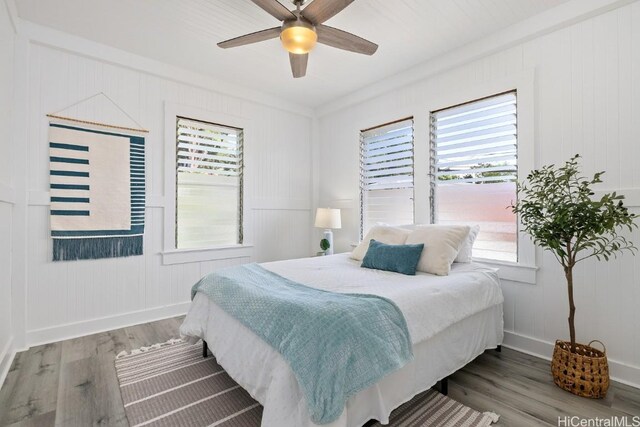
(328, 234)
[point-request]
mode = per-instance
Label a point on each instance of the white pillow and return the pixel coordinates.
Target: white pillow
(441, 246)
(408, 226)
(380, 233)
(467, 246)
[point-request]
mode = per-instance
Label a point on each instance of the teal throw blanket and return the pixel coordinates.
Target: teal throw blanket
(336, 344)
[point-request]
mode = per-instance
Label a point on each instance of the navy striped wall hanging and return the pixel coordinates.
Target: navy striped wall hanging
(97, 187)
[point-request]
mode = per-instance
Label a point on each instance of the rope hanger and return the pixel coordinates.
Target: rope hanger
(55, 115)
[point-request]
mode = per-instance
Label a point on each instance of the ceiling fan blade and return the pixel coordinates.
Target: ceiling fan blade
(343, 40)
(299, 64)
(275, 9)
(256, 37)
(319, 11)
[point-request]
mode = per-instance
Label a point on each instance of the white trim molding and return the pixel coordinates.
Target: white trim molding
(20, 160)
(94, 326)
(513, 272)
(187, 256)
(621, 372)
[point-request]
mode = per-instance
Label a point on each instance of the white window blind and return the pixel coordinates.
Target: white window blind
(386, 175)
(474, 163)
(209, 184)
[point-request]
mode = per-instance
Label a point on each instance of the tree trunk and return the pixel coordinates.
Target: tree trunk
(568, 272)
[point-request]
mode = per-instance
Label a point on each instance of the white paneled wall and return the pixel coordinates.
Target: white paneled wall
(7, 37)
(587, 101)
(72, 298)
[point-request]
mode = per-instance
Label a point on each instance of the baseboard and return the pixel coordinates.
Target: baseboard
(6, 358)
(619, 371)
(93, 326)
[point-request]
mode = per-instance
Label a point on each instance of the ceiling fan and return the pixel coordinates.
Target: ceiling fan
(301, 29)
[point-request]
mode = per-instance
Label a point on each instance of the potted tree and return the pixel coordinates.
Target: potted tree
(557, 209)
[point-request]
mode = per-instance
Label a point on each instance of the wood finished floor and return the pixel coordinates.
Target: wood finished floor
(73, 383)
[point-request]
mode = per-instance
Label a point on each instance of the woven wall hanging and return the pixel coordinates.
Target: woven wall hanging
(97, 186)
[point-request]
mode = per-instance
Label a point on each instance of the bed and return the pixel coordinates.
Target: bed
(451, 319)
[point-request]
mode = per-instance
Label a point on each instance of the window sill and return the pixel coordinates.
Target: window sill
(512, 271)
(186, 256)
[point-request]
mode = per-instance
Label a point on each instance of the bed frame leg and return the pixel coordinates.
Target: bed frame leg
(205, 349)
(499, 349)
(444, 386)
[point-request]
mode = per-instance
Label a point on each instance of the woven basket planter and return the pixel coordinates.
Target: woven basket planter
(584, 373)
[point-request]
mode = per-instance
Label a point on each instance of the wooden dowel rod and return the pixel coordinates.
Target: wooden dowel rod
(96, 123)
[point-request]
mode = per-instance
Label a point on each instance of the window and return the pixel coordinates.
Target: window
(386, 175)
(209, 184)
(474, 170)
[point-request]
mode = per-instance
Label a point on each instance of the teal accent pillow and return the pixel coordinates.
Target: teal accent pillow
(398, 258)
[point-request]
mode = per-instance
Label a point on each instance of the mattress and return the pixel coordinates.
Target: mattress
(451, 320)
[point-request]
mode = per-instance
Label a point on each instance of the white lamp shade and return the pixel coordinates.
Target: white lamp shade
(328, 218)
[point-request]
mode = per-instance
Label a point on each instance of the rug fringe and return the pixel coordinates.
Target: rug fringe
(493, 417)
(140, 350)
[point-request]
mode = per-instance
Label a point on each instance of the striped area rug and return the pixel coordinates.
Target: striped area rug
(171, 384)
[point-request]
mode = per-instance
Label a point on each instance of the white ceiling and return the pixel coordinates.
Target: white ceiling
(185, 33)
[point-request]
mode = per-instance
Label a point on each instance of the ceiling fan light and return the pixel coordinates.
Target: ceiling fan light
(298, 39)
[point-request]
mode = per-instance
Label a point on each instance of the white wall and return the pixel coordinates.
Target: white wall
(587, 101)
(7, 36)
(73, 298)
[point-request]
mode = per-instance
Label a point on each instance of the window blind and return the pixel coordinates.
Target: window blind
(386, 175)
(474, 161)
(208, 148)
(209, 165)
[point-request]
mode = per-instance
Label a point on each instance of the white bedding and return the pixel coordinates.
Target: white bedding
(451, 320)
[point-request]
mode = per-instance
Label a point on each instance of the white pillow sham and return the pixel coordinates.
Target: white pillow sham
(467, 246)
(441, 246)
(464, 255)
(381, 233)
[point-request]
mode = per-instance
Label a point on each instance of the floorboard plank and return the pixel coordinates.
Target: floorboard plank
(509, 416)
(32, 388)
(113, 342)
(78, 348)
(44, 420)
(626, 398)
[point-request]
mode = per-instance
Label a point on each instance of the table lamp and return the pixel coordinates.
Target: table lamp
(328, 218)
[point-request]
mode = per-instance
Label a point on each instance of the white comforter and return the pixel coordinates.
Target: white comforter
(429, 303)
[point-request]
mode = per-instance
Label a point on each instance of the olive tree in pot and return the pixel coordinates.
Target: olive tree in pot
(557, 209)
